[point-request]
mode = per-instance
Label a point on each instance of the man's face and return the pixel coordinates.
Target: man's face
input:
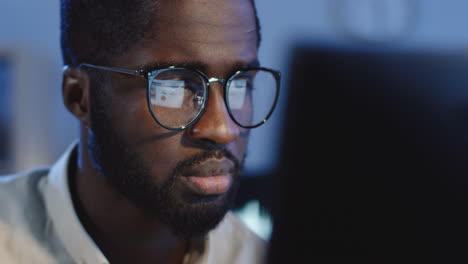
(186, 179)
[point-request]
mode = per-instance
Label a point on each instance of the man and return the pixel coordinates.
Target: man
(165, 92)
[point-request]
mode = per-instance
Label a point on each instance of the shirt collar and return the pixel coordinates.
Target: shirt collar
(59, 206)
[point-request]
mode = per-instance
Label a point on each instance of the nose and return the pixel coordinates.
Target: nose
(215, 127)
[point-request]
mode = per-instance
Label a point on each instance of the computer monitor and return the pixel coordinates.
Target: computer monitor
(374, 156)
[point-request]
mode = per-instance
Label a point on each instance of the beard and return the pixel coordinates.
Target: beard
(124, 168)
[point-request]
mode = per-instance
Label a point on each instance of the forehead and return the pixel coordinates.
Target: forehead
(207, 17)
(212, 32)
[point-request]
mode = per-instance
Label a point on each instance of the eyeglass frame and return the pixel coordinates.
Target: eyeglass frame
(147, 74)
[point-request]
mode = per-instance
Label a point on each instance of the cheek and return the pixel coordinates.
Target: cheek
(241, 144)
(159, 158)
(156, 147)
(130, 111)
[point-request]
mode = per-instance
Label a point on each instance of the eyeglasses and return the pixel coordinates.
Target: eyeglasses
(177, 96)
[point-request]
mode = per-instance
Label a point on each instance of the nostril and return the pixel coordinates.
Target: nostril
(210, 144)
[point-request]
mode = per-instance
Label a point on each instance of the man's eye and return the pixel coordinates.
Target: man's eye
(194, 87)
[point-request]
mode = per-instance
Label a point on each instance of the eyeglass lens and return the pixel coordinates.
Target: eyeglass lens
(177, 96)
(251, 96)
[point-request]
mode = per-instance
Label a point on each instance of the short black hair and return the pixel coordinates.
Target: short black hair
(109, 27)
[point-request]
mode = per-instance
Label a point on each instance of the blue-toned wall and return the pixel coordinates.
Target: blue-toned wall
(29, 36)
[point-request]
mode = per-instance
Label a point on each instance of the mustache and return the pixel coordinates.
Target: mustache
(203, 156)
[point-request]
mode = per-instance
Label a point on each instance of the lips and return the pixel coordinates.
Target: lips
(212, 177)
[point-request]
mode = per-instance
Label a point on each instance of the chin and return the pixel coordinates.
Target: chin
(195, 215)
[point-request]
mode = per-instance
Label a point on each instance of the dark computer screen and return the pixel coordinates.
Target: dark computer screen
(374, 154)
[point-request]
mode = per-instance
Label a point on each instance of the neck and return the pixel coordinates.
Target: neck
(121, 230)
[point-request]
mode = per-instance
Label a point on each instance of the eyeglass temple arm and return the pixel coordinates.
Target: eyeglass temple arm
(124, 71)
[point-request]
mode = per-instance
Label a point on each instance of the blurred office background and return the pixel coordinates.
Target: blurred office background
(35, 127)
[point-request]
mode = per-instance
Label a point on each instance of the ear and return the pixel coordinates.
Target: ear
(75, 93)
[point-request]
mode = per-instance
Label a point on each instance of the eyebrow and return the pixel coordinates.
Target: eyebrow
(203, 67)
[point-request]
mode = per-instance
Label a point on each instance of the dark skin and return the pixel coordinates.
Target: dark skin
(217, 34)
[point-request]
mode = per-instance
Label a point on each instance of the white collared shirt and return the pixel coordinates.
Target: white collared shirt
(38, 224)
